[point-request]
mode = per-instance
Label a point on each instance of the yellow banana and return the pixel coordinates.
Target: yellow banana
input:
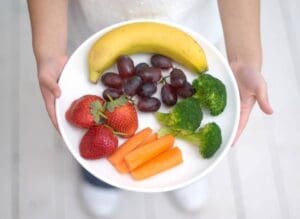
(145, 37)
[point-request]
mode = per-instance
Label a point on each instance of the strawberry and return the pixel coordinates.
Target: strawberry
(98, 141)
(86, 111)
(121, 116)
(69, 112)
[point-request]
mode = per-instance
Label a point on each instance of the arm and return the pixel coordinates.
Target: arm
(241, 26)
(49, 38)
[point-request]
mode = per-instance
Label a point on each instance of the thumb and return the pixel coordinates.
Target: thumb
(263, 100)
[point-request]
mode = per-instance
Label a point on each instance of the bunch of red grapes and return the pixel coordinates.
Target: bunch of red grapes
(142, 80)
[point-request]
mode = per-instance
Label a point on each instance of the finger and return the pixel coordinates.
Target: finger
(54, 88)
(64, 60)
(244, 116)
(51, 85)
(263, 100)
(50, 106)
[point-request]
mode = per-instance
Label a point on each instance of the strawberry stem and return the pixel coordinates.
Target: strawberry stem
(102, 115)
(115, 132)
(97, 110)
(110, 98)
(119, 133)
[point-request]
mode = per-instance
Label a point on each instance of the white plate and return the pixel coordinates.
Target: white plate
(74, 83)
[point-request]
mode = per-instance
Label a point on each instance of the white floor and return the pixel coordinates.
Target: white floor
(259, 179)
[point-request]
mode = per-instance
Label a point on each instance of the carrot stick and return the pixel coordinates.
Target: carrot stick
(122, 167)
(151, 138)
(162, 162)
(148, 151)
(129, 145)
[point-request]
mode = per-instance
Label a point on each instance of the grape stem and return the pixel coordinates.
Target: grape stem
(163, 79)
(130, 99)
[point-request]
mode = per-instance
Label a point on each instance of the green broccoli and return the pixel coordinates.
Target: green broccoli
(185, 117)
(211, 93)
(167, 130)
(208, 139)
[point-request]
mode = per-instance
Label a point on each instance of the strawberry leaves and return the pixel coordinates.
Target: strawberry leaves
(111, 105)
(97, 110)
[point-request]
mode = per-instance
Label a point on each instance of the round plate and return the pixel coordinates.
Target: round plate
(74, 83)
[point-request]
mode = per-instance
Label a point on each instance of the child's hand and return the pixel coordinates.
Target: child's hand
(49, 71)
(252, 87)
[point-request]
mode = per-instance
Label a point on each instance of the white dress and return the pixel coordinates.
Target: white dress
(89, 16)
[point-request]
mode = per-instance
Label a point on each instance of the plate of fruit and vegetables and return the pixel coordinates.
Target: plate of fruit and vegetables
(148, 106)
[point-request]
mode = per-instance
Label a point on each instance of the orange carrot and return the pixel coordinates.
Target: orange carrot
(148, 151)
(129, 145)
(122, 167)
(151, 138)
(162, 162)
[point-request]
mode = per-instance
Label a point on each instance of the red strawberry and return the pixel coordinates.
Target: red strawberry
(121, 116)
(69, 112)
(98, 141)
(85, 112)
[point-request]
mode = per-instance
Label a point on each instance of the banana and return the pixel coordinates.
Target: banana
(145, 37)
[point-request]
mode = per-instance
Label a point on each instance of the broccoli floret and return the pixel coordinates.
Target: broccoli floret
(211, 93)
(185, 117)
(208, 139)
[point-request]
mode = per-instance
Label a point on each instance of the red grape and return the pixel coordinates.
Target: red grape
(177, 78)
(162, 62)
(186, 91)
(132, 85)
(148, 104)
(112, 92)
(150, 74)
(125, 66)
(147, 89)
(139, 67)
(168, 95)
(111, 79)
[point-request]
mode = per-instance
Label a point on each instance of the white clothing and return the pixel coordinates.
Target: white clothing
(89, 16)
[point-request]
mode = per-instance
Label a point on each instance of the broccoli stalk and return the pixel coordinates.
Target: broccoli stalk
(185, 117)
(208, 139)
(166, 131)
(211, 93)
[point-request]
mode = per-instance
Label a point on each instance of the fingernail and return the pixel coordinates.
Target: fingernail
(271, 110)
